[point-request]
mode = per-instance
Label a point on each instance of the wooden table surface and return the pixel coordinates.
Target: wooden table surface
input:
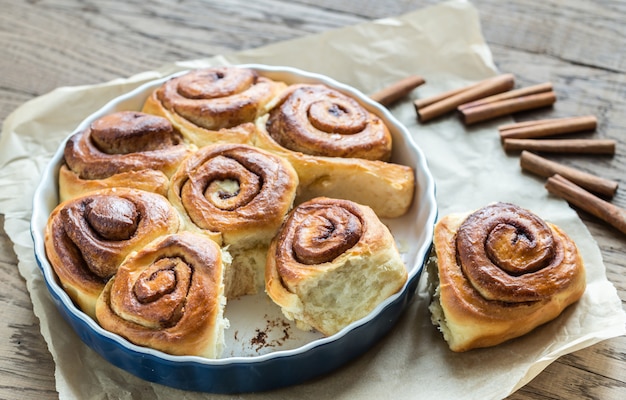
(578, 44)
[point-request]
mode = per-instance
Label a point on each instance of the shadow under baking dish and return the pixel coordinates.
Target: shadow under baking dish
(264, 350)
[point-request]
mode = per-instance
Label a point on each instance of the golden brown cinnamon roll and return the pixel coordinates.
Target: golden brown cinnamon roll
(215, 104)
(385, 187)
(123, 149)
(321, 121)
(502, 271)
(169, 296)
(337, 147)
(88, 237)
(241, 193)
(332, 263)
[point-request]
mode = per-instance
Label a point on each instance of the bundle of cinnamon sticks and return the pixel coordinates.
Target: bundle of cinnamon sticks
(485, 100)
(495, 97)
(579, 188)
(531, 135)
(583, 199)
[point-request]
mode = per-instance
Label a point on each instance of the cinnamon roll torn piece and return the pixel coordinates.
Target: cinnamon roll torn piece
(500, 272)
(331, 264)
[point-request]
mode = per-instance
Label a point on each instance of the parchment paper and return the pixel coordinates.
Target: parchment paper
(443, 44)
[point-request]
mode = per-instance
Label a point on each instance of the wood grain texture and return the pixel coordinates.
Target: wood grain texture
(27, 369)
(577, 45)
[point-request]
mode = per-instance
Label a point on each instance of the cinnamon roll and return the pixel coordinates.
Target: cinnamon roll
(321, 121)
(123, 149)
(88, 237)
(500, 272)
(338, 148)
(242, 193)
(169, 296)
(214, 104)
(332, 263)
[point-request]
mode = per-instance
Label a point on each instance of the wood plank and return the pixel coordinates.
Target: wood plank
(562, 31)
(570, 379)
(24, 352)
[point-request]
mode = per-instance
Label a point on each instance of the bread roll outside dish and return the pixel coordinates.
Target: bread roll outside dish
(331, 264)
(241, 194)
(169, 296)
(123, 149)
(88, 237)
(338, 148)
(214, 105)
(500, 272)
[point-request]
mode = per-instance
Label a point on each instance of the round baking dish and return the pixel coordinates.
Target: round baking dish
(264, 351)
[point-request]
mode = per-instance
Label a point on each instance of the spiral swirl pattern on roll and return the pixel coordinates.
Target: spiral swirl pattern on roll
(123, 149)
(88, 237)
(218, 97)
(321, 121)
(510, 254)
(234, 189)
(501, 271)
(331, 263)
(125, 141)
(319, 232)
(168, 296)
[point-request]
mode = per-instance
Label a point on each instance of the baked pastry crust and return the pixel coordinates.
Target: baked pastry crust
(169, 296)
(235, 105)
(214, 105)
(320, 121)
(500, 272)
(332, 263)
(88, 237)
(123, 149)
(240, 195)
(385, 187)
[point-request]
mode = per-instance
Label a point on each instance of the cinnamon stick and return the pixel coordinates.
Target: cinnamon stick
(568, 146)
(496, 109)
(548, 127)
(450, 100)
(532, 122)
(421, 103)
(397, 90)
(540, 88)
(579, 197)
(546, 168)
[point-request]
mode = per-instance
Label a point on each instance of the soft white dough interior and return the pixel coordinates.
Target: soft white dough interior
(437, 316)
(221, 324)
(349, 293)
(226, 187)
(246, 271)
